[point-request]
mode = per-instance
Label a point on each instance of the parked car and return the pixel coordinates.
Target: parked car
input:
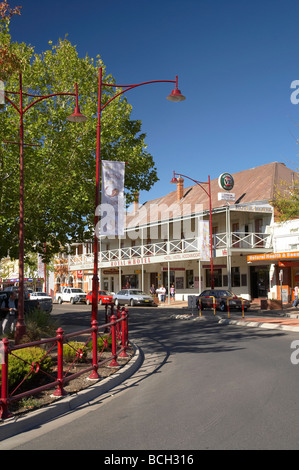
(44, 300)
(221, 297)
(132, 297)
(40, 295)
(104, 297)
(4, 295)
(71, 294)
(41, 300)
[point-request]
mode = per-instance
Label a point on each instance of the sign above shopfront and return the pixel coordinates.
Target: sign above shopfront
(156, 259)
(274, 256)
(226, 196)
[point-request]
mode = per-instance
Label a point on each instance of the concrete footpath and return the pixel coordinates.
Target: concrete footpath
(286, 319)
(288, 322)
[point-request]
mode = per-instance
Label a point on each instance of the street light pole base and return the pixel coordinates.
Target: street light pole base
(20, 331)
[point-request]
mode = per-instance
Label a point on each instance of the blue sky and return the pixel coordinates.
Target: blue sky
(235, 60)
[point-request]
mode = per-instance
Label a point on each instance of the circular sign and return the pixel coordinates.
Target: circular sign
(226, 181)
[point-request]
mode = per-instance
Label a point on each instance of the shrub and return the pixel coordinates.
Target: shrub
(19, 368)
(100, 343)
(39, 324)
(74, 349)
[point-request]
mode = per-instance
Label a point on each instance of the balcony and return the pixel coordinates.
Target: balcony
(174, 250)
(243, 241)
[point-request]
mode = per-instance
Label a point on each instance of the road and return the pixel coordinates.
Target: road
(202, 386)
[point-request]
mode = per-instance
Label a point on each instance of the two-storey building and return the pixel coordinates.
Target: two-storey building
(166, 240)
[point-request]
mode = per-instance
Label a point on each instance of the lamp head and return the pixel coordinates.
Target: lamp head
(176, 95)
(77, 116)
(174, 180)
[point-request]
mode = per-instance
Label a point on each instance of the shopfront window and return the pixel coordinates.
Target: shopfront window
(129, 281)
(189, 279)
(236, 277)
(217, 273)
(106, 283)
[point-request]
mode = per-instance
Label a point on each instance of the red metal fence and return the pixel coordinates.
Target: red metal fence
(115, 330)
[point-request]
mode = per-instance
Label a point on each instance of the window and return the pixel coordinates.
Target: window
(236, 277)
(189, 279)
(217, 273)
(243, 279)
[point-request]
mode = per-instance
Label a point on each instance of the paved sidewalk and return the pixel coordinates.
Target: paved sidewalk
(286, 318)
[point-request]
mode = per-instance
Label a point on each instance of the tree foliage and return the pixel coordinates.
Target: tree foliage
(9, 61)
(59, 172)
(286, 201)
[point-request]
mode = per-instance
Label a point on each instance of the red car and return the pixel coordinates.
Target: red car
(103, 297)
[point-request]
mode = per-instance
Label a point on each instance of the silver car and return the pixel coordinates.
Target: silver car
(132, 297)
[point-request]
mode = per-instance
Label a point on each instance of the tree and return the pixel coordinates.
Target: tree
(60, 171)
(9, 61)
(286, 201)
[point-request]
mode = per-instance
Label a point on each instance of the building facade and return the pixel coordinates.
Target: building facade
(166, 241)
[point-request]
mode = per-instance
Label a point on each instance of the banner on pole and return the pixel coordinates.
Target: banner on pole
(2, 90)
(204, 242)
(112, 202)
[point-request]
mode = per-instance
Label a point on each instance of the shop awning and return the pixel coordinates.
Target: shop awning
(274, 258)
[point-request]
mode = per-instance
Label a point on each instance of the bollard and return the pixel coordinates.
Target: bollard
(114, 362)
(214, 305)
(94, 375)
(4, 411)
(118, 326)
(123, 333)
(228, 307)
(242, 308)
(60, 390)
(127, 326)
(199, 306)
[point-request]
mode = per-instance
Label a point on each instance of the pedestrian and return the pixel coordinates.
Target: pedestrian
(172, 293)
(163, 293)
(152, 290)
(296, 296)
(9, 307)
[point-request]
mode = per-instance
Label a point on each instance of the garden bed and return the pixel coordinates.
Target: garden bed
(74, 386)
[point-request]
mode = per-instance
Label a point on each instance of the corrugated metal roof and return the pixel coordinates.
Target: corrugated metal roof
(252, 185)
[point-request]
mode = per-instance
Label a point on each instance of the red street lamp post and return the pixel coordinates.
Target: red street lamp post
(174, 96)
(200, 183)
(77, 117)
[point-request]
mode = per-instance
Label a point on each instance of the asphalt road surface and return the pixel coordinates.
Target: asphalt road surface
(201, 386)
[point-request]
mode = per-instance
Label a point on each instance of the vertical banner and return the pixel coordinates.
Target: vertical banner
(2, 97)
(40, 267)
(204, 240)
(112, 202)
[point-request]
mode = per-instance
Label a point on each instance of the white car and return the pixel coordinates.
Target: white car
(39, 295)
(44, 300)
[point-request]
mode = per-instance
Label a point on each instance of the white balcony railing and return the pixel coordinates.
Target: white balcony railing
(245, 240)
(238, 240)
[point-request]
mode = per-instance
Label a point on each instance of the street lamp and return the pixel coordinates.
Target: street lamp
(174, 96)
(174, 180)
(76, 117)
